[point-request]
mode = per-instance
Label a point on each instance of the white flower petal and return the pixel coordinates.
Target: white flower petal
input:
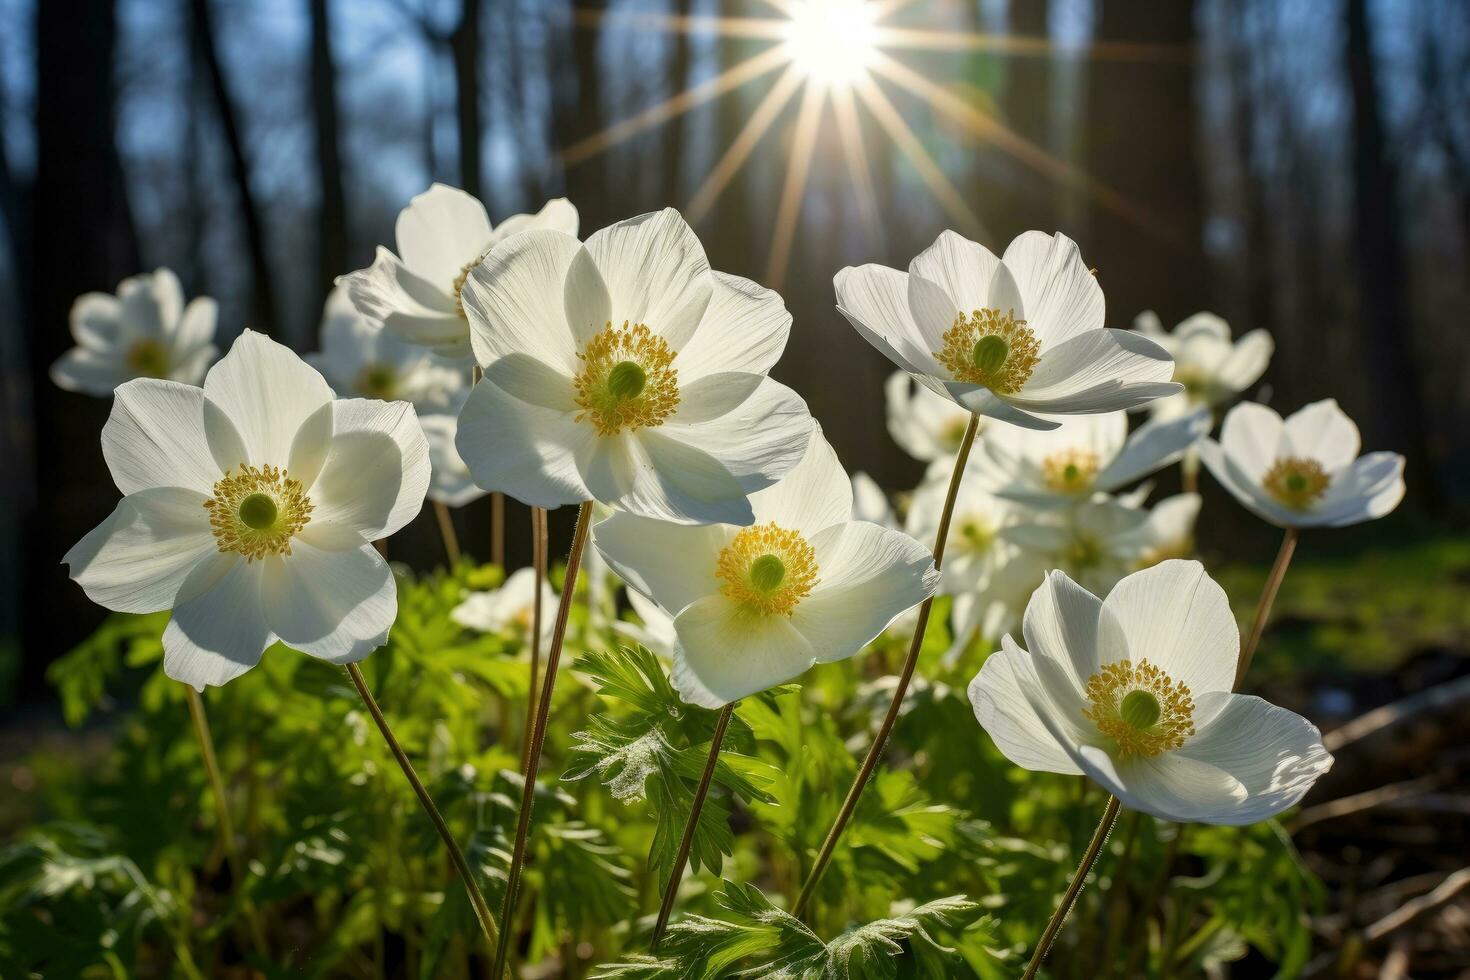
(1098, 371)
(221, 632)
(961, 267)
(868, 576)
(196, 325)
(585, 297)
(89, 372)
(1247, 491)
(151, 304)
(516, 300)
(267, 392)
(450, 482)
(524, 450)
(334, 605)
(558, 214)
(815, 494)
(874, 299)
(1062, 298)
(523, 376)
(1247, 360)
(1177, 618)
(1368, 488)
(1253, 436)
(656, 273)
(412, 309)
(440, 232)
(983, 401)
(1154, 445)
(94, 321)
(155, 437)
(713, 395)
(137, 560)
(744, 329)
(1321, 431)
(1007, 715)
(672, 564)
(725, 653)
(377, 470)
(1062, 622)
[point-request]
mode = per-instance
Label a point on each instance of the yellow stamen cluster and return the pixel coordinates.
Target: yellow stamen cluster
(1069, 471)
(767, 568)
(256, 511)
(628, 380)
(1296, 482)
(1002, 364)
(458, 287)
(148, 358)
(1142, 709)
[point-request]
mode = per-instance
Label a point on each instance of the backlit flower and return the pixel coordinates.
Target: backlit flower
(625, 371)
(1134, 691)
(145, 331)
(1213, 370)
(758, 605)
(510, 608)
(1015, 338)
(1088, 454)
(441, 236)
(249, 510)
(927, 426)
(976, 553)
(1304, 471)
(451, 483)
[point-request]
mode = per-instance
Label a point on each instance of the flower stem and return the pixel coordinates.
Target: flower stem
(222, 813)
(880, 741)
(1268, 596)
(497, 529)
(538, 561)
(688, 841)
(538, 735)
(446, 531)
(482, 911)
(1089, 858)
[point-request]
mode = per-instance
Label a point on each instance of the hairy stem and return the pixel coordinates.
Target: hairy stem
(1089, 858)
(446, 531)
(880, 741)
(222, 814)
(538, 734)
(682, 857)
(1268, 597)
(482, 911)
(538, 561)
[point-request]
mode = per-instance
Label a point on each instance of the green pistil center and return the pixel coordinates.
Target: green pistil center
(258, 511)
(378, 380)
(626, 380)
(767, 573)
(148, 358)
(1140, 710)
(990, 353)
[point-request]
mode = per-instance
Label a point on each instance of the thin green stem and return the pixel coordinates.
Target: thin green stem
(538, 735)
(222, 815)
(880, 741)
(538, 561)
(1268, 597)
(446, 532)
(667, 908)
(482, 911)
(1089, 858)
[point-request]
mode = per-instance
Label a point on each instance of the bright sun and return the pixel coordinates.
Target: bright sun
(833, 41)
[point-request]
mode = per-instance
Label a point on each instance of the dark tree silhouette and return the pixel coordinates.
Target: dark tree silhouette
(332, 207)
(464, 47)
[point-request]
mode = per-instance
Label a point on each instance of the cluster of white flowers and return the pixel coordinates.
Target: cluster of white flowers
(623, 371)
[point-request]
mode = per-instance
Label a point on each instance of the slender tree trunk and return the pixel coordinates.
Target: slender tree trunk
(464, 46)
(262, 296)
(1398, 419)
(1142, 142)
(332, 209)
(674, 132)
(578, 114)
(1026, 104)
(81, 239)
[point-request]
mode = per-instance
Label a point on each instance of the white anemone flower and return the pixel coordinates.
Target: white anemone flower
(1086, 455)
(976, 552)
(1213, 369)
(927, 426)
(1304, 471)
(249, 510)
(145, 331)
(441, 236)
(1134, 691)
(626, 372)
(361, 359)
(451, 483)
(1016, 338)
(759, 605)
(1097, 542)
(510, 608)
(1167, 533)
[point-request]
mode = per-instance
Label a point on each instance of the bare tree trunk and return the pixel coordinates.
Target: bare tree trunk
(262, 295)
(81, 239)
(1142, 138)
(332, 209)
(1399, 420)
(464, 46)
(579, 115)
(1029, 202)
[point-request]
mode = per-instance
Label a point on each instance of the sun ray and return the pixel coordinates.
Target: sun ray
(765, 114)
(731, 78)
(803, 142)
(903, 137)
(849, 131)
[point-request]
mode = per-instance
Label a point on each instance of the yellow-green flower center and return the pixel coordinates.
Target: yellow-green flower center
(1140, 708)
(976, 534)
(378, 380)
(1296, 482)
(1085, 551)
(990, 348)
(767, 569)
(628, 379)
(257, 511)
(1070, 471)
(148, 358)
